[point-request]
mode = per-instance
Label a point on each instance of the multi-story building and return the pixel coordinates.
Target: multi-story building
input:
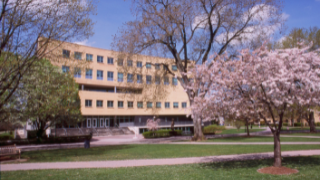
(114, 91)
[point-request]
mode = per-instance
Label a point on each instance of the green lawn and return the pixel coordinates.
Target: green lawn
(298, 128)
(150, 151)
(239, 170)
(263, 139)
(236, 131)
(303, 134)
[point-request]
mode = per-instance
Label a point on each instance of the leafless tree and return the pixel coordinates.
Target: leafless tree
(195, 30)
(28, 27)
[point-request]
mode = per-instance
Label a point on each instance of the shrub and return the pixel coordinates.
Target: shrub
(238, 124)
(318, 124)
(262, 123)
(285, 124)
(32, 134)
(297, 124)
(161, 133)
(213, 129)
(6, 136)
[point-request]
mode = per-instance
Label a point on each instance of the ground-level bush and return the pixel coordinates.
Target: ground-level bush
(6, 136)
(318, 124)
(297, 124)
(161, 133)
(213, 129)
(50, 140)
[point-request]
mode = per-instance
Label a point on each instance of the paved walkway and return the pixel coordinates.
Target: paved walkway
(150, 162)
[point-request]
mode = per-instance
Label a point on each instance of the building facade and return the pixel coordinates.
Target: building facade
(118, 90)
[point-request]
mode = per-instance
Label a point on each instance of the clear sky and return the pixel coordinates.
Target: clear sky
(111, 14)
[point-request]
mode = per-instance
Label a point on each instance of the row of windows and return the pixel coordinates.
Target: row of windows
(110, 104)
(89, 57)
(130, 77)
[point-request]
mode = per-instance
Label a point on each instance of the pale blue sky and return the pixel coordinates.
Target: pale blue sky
(111, 14)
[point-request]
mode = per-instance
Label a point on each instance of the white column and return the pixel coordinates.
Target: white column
(82, 87)
(115, 89)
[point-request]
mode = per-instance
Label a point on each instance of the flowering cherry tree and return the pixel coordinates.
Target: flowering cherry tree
(153, 125)
(263, 83)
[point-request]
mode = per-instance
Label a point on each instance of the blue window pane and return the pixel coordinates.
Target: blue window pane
(139, 78)
(89, 57)
(89, 74)
(149, 79)
(167, 104)
(174, 67)
(99, 75)
(175, 105)
(100, 59)
(65, 69)
(148, 65)
(139, 64)
(78, 55)
(174, 81)
(110, 76)
(110, 60)
(77, 72)
(120, 77)
(130, 78)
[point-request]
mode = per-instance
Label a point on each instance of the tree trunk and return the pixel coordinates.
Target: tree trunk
(198, 134)
(311, 123)
(248, 133)
(277, 148)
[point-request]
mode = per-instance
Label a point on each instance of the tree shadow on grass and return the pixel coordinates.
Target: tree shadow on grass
(79, 154)
(287, 162)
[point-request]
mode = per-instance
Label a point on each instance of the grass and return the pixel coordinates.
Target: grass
(241, 170)
(263, 139)
(150, 151)
(236, 131)
(304, 134)
(299, 128)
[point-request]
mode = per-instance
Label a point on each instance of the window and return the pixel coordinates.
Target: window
(167, 104)
(66, 53)
(99, 103)
(139, 78)
(140, 104)
(77, 72)
(110, 76)
(99, 75)
(120, 77)
(88, 73)
(130, 104)
(157, 66)
(65, 69)
(157, 80)
(78, 55)
(191, 80)
(174, 67)
(149, 79)
(100, 59)
(174, 81)
(165, 67)
(89, 57)
(175, 105)
(120, 104)
(130, 78)
(184, 105)
(149, 104)
(139, 64)
(110, 104)
(148, 65)
(110, 60)
(120, 62)
(166, 81)
(129, 63)
(158, 104)
(88, 103)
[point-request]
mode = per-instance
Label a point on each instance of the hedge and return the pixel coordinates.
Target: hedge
(50, 140)
(297, 124)
(318, 124)
(6, 136)
(212, 129)
(161, 133)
